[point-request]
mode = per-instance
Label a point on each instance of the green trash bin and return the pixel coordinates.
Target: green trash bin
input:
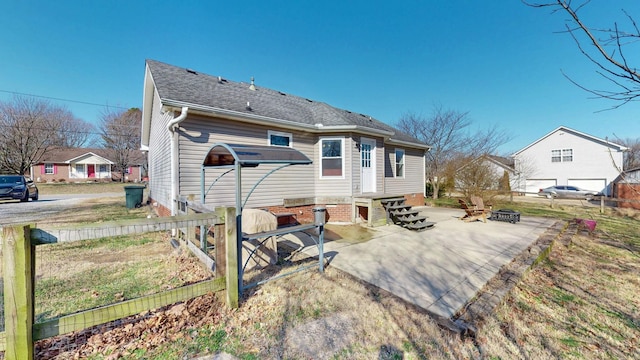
(134, 196)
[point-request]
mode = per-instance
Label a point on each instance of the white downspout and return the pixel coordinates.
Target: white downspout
(175, 174)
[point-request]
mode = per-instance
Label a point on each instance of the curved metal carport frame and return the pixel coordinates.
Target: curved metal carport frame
(235, 157)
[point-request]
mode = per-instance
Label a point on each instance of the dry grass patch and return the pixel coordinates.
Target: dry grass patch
(351, 233)
(82, 188)
(581, 303)
(95, 210)
(82, 275)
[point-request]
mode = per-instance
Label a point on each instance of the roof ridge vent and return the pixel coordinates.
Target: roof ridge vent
(252, 86)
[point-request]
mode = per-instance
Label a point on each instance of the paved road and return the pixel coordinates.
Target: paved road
(15, 212)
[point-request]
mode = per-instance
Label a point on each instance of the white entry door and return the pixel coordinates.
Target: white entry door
(368, 165)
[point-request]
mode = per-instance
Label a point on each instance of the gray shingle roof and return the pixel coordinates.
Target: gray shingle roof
(184, 85)
(507, 162)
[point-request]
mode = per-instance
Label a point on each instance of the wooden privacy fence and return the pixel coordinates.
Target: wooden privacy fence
(19, 260)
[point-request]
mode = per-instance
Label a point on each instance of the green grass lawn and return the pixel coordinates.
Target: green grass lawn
(82, 188)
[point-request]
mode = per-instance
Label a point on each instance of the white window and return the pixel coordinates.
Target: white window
(49, 169)
(399, 163)
(564, 155)
(102, 168)
(332, 159)
(79, 170)
(277, 138)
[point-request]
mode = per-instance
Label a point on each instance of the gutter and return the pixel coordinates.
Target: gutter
(265, 120)
(175, 174)
(410, 144)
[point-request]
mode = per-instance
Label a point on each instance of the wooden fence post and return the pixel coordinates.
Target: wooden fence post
(19, 271)
(231, 257)
(220, 248)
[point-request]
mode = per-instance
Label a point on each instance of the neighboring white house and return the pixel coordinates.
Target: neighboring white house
(568, 157)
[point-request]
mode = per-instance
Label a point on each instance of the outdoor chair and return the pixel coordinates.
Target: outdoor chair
(478, 204)
(472, 213)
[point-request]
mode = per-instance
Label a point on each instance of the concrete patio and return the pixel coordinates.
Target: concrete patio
(439, 270)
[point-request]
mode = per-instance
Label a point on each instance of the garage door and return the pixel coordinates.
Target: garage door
(589, 184)
(532, 186)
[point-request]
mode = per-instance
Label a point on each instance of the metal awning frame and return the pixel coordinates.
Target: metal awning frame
(243, 156)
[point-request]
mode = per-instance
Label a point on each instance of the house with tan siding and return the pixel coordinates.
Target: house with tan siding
(185, 112)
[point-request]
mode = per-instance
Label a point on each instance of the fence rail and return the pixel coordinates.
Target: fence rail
(19, 260)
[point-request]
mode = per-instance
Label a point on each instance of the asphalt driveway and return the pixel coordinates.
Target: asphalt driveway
(441, 269)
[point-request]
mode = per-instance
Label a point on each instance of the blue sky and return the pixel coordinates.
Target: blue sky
(499, 60)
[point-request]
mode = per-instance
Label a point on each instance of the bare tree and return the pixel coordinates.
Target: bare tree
(607, 48)
(29, 128)
(120, 132)
(73, 132)
(448, 134)
(632, 155)
(477, 177)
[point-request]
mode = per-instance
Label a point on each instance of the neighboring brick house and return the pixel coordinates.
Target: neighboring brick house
(84, 164)
(354, 155)
(627, 187)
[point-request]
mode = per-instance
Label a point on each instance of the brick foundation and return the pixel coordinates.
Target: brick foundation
(416, 199)
(159, 209)
(304, 214)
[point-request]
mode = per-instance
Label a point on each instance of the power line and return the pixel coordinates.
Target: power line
(60, 99)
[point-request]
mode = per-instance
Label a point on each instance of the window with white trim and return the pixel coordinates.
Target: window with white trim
(331, 157)
(564, 155)
(277, 138)
(48, 169)
(102, 168)
(400, 163)
(79, 170)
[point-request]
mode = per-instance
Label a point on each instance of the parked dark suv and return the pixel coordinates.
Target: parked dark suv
(17, 187)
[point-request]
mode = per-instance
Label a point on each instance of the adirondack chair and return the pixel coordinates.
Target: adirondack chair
(473, 213)
(478, 204)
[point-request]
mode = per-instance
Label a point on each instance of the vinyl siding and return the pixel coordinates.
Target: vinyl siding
(591, 160)
(356, 165)
(159, 155)
(413, 181)
(336, 187)
(198, 134)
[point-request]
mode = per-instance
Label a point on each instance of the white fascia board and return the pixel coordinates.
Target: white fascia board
(147, 104)
(106, 161)
(408, 144)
